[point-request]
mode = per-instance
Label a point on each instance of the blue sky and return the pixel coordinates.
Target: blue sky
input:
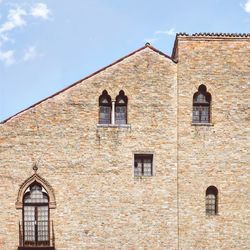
(46, 45)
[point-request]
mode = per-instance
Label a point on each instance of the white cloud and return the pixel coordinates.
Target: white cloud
(40, 10)
(30, 54)
(247, 6)
(7, 57)
(170, 32)
(18, 17)
(3, 39)
(14, 20)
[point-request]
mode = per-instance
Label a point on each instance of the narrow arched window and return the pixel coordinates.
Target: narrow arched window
(121, 103)
(211, 200)
(36, 216)
(105, 108)
(201, 105)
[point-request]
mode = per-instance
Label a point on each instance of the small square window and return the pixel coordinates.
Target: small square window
(143, 165)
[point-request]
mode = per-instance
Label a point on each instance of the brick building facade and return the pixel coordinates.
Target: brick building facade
(150, 152)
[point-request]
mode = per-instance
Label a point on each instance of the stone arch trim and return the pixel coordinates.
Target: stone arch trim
(35, 178)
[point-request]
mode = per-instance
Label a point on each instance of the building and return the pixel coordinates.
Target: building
(150, 152)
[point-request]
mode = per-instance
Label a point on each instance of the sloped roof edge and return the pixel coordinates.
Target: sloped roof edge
(147, 45)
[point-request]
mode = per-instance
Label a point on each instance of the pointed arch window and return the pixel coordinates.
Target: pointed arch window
(211, 200)
(201, 105)
(121, 103)
(36, 216)
(105, 108)
(36, 198)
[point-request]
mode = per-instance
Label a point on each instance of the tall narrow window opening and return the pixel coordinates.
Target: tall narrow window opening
(211, 200)
(105, 108)
(121, 108)
(201, 105)
(36, 216)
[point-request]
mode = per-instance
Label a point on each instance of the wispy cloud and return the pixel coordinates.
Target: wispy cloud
(30, 54)
(14, 20)
(247, 6)
(170, 32)
(18, 17)
(7, 57)
(40, 10)
(158, 33)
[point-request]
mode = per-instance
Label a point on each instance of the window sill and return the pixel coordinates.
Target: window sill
(202, 124)
(143, 177)
(113, 126)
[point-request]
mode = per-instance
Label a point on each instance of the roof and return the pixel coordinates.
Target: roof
(205, 34)
(147, 45)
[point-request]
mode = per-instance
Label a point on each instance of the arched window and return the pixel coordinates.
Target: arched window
(201, 105)
(36, 216)
(211, 200)
(121, 103)
(105, 108)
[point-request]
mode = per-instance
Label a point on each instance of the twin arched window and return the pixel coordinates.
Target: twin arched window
(201, 105)
(211, 200)
(113, 112)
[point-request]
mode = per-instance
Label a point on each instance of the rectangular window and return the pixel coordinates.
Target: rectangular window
(143, 165)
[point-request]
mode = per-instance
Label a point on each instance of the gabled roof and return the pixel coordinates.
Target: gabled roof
(147, 45)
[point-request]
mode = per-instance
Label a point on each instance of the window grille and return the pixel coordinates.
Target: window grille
(36, 216)
(211, 200)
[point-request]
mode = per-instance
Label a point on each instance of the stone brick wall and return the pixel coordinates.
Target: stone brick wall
(99, 203)
(218, 154)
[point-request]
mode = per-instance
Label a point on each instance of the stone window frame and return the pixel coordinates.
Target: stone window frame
(24, 186)
(153, 163)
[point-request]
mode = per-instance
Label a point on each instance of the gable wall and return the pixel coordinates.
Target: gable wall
(100, 205)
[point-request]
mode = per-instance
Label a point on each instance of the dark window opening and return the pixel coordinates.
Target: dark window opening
(121, 108)
(36, 216)
(143, 165)
(201, 105)
(105, 108)
(211, 200)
